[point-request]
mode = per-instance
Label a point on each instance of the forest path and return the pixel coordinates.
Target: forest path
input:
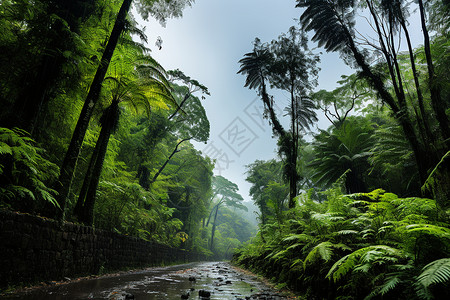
(205, 280)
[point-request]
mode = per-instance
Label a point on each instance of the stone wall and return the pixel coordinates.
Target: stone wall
(36, 249)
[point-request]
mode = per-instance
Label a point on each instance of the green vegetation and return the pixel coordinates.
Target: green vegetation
(344, 236)
(95, 131)
(355, 246)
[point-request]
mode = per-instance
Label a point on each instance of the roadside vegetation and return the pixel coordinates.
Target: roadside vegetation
(94, 130)
(363, 210)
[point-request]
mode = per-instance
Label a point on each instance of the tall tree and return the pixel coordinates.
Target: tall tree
(189, 120)
(264, 176)
(140, 90)
(286, 64)
(161, 10)
(334, 26)
(227, 194)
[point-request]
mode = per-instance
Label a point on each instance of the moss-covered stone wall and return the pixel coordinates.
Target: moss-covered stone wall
(34, 249)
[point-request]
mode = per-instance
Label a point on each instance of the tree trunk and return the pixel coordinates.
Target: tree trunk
(423, 161)
(78, 210)
(423, 117)
(287, 146)
(212, 210)
(143, 175)
(293, 176)
(213, 231)
(167, 160)
(87, 214)
(70, 160)
(436, 99)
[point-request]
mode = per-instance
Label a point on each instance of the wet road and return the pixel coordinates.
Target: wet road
(207, 280)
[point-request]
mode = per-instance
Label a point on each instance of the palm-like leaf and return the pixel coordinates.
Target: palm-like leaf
(329, 20)
(323, 251)
(254, 65)
(435, 272)
(343, 149)
(305, 112)
(378, 254)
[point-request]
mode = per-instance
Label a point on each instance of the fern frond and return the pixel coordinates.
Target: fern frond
(342, 266)
(435, 272)
(389, 284)
(322, 250)
(297, 262)
(346, 232)
(277, 255)
(438, 231)
(377, 254)
(5, 148)
(298, 237)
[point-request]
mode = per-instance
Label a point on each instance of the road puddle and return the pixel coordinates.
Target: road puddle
(206, 280)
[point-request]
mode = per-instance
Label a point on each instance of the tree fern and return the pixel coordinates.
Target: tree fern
(390, 283)
(23, 169)
(324, 251)
(439, 231)
(435, 272)
(378, 254)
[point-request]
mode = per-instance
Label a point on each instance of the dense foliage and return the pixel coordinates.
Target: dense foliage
(94, 130)
(358, 246)
(344, 236)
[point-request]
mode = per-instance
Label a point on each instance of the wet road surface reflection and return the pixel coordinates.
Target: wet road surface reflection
(206, 280)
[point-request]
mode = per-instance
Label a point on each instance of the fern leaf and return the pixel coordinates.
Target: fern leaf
(371, 255)
(342, 266)
(296, 262)
(5, 148)
(435, 272)
(322, 250)
(298, 237)
(347, 232)
(439, 231)
(277, 255)
(390, 284)
(294, 246)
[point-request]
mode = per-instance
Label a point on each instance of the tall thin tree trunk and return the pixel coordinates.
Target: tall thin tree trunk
(212, 210)
(70, 160)
(213, 231)
(422, 158)
(293, 150)
(423, 116)
(78, 210)
(436, 99)
(87, 214)
(168, 159)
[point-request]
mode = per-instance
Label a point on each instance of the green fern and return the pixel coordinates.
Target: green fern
(342, 266)
(435, 272)
(439, 231)
(28, 169)
(5, 148)
(378, 254)
(324, 251)
(298, 237)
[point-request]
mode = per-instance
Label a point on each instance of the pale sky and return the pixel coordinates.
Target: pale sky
(206, 44)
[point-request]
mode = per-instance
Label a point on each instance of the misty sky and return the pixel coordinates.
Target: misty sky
(206, 44)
